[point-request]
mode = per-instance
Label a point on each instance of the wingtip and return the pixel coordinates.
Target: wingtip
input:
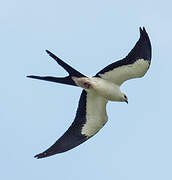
(50, 53)
(47, 51)
(142, 30)
(36, 157)
(144, 35)
(144, 39)
(41, 155)
(142, 48)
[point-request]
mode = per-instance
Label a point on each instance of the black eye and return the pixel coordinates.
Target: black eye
(125, 96)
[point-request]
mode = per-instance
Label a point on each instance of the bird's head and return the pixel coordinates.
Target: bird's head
(124, 98)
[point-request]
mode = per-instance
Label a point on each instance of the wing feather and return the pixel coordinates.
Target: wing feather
(134, 65)
(90, 118)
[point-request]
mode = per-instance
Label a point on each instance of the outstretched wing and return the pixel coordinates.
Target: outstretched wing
(134, 65)
(90, 118)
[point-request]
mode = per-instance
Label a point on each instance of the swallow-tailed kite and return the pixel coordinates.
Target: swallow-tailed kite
(91, 114)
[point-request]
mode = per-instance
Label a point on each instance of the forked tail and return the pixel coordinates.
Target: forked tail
(64, 80)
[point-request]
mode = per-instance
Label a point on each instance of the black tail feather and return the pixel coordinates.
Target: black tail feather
(64, 80)
(69, 69)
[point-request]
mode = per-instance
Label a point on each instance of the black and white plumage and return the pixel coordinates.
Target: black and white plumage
(97, 91)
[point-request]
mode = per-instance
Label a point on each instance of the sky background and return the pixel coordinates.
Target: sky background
(135, 144)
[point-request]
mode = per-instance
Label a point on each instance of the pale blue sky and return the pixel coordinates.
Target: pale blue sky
(136, 143)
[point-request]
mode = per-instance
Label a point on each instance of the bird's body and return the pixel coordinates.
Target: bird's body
(98, 86)
(91, 114)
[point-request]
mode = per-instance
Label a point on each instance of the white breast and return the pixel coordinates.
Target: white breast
(106, 88)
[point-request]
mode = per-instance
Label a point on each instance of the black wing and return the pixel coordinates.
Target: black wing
(72, 137)
(90, 118)
(134, 65)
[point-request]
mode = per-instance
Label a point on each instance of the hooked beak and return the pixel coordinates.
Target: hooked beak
(126, 101)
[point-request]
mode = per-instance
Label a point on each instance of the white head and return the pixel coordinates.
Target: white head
(124, 98)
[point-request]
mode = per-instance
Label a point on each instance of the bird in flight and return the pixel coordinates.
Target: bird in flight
(91, 113)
